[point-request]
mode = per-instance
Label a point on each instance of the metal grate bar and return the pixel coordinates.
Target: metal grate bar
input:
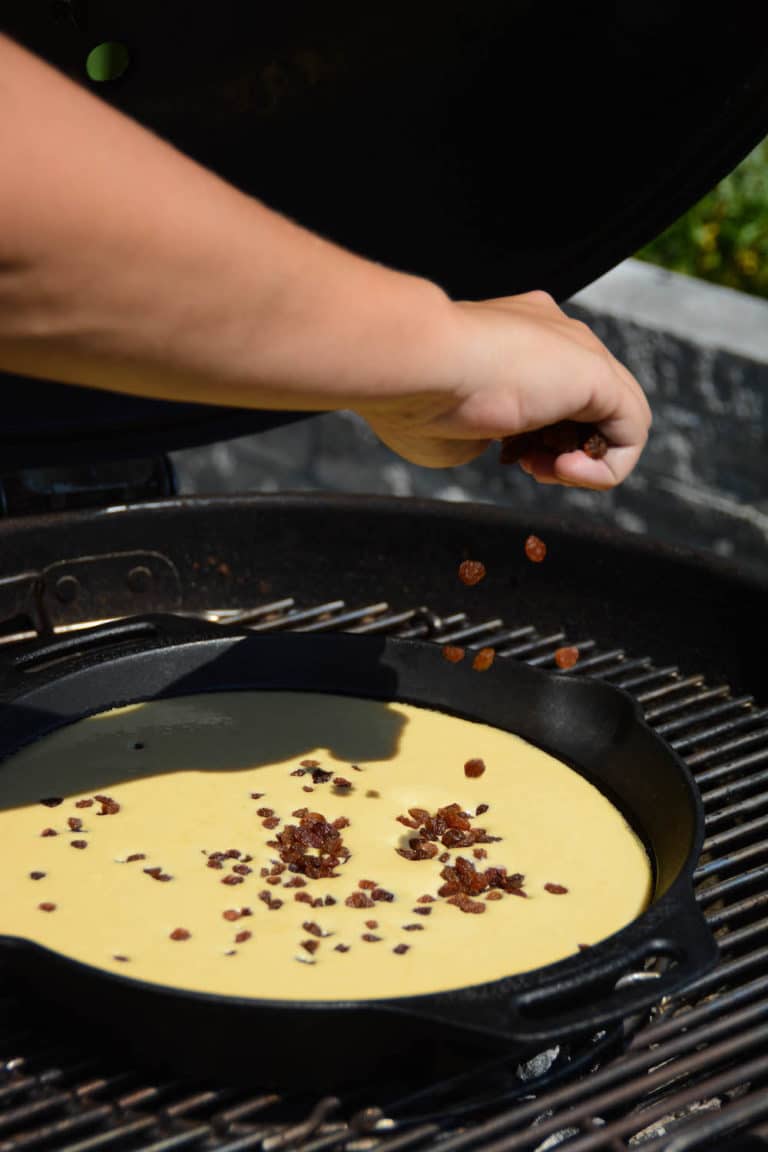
(695, 698)
(734, 860)
(675, 686)
(707, 714)
(734, 724)
(760, 736)
(291, 619)
(350, 617)
(736, 787)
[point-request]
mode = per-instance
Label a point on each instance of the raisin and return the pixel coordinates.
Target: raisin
(295, 882)
(303, 897)
(370, 884)
(370, 938)
(242, 869)
(595, 446)
(341, 948)
(413, 927)
(300, 812)
(310, 946)
(306, 788)
(121, 959)
(453, 653)
(341, 822)
(134, 856)
(75, 824)
(481, 809)
(241, 937)
(566, 657)
(466, 904)
(231, 914)
(372, 794)
(358, 900)
(474, 768)
(483, 659)
(381, 895)
(108, 806)
(425, 899)
(400, 949)
(471, 572)
(232, 854)
(479, 853)
(309, 763)
(583, 947)
(214, 864)
(79, 843)
(312, 927)
(422, 911)
(273, 880)
(256, 795)
(535, 549)
(406, 820)
(49, 832)
(265, 811)
(52, 801)
(84, 804)
(180, 934)
(555, 889)
(274, 905)
(36, 875)
(271, 822)
(340, 782)
(329, 901)
(231, 879)
(371, 924)
(494, 895)
(46, 906)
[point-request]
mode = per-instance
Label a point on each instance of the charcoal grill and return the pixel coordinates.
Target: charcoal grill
(691, 1072)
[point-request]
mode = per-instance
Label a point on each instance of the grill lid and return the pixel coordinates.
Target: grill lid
(495, 148)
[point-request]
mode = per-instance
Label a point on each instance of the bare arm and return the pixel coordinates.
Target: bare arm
(126, 266)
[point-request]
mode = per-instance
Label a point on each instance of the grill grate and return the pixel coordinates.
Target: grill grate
(694, 1071)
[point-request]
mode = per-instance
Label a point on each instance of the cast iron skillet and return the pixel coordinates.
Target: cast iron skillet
(596, 728)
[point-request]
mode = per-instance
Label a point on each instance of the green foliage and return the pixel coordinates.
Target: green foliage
(724, 238)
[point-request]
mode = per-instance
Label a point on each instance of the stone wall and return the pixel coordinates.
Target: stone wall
(701, 353)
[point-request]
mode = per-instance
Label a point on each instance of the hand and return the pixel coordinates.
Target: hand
(511, 366)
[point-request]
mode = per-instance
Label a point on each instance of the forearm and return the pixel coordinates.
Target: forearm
(124, 265)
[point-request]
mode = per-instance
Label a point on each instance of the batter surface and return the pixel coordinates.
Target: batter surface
(183, 786)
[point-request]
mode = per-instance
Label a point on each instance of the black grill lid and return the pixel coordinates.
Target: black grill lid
(494, 147)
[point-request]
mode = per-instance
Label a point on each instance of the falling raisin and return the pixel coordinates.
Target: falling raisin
(535, 549)
(471, 572)
(370, 938)
(566, 657)
(555, 889)
(180, 934)
(483, 659)
(46, 906)
(52, 801)
(241, 937)
(400, 949)
(36, 875)
(474, 768)
(79, 843)
(453, 653)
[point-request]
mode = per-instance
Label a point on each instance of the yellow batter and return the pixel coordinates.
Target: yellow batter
(183, 772)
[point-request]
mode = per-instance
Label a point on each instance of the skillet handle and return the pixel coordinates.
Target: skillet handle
(564, 1007)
